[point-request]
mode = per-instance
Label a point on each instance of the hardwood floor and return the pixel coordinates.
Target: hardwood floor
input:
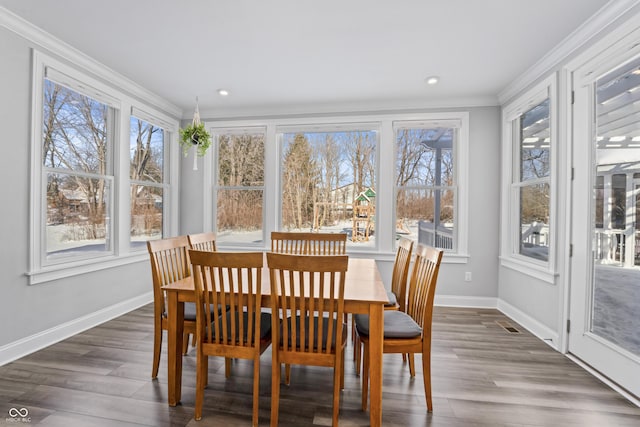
(483, 375)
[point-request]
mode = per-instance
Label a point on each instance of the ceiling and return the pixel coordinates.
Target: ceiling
(294, 56)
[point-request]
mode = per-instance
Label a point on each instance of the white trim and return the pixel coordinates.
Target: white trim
(40, 340)
(529, 268)
(592, 27)
(541, 331)
(60, 271)
(462, 301)
(47, 41)
(345, 109)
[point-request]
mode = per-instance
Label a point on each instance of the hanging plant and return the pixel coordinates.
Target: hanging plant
(195, 134)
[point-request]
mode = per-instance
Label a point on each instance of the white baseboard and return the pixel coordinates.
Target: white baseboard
(462, 301)
(30, 344)
(541, 331)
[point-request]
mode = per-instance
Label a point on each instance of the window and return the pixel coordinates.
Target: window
(240, 185)
(532, 183)
(528, 165)
(101, 181)
(328, 181)
(426, 188)
(148, 181)
(77, 155)
(333, 175)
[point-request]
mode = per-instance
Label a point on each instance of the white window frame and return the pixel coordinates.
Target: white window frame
(510, 211)
(169, 128)
(385, 180)
(459, 172)
(122, 104)
(213, 215)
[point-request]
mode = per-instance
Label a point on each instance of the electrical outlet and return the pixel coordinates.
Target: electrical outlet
(467, 276)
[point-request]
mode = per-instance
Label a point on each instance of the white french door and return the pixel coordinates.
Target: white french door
(605, 276)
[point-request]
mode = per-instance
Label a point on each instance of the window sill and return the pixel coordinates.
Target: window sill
(56, 272)
(539, 272)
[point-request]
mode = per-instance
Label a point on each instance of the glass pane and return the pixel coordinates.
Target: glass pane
(74, 131)
(241, 160)
(534, 142)
(328, 184)
(599, 207)
(425, 158)
(416, 218)
(146, 147)
(534, 221)
(240, 216)
(77, 216)
(146, 214)
(616, 294)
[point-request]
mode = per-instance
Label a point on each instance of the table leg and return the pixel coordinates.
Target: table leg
(375, 363)
(175, 320)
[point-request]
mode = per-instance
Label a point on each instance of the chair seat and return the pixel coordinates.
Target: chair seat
(190, 311)
(393, 301)
(265, 325)
(325, 332)
(397, 324)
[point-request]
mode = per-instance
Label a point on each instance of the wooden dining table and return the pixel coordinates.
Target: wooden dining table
(364, 293)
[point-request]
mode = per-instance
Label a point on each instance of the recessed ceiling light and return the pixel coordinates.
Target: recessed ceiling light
(223, 92)
(432, 80)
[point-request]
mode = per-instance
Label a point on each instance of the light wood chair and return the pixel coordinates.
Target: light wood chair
(397, 295)
(286, 242)
(408, 332)
(203, 241)
(169, 262)
(307, 292)
(233, 279)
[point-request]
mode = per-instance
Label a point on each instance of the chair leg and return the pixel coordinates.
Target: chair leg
(358, 355)
(365, 377)
(227, 367)
(200, 384)
(412, 365)
(193, 340)
(338, 379)
(256, 389)
(426, 375)
(205, 368)
(185, 343)
(275, 389)
(287, 374)
(342, 371)
(157, 346)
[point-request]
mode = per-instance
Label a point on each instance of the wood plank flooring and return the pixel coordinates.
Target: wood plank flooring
(482, 376)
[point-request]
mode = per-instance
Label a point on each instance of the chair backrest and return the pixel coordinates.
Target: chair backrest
(401, 271)
(234, 280)
(422, 286)
(203, 241)
(320, 281)
(286, 242)
(169, 263)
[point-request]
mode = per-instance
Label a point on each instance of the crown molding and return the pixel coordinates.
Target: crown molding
(589, 30)
(354, 108)
(42, 39)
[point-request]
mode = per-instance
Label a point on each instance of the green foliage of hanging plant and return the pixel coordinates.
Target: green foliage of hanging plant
(195, 134)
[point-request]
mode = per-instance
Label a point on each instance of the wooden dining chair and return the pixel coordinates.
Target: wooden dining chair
(233, 279)
(408, 332)
(307, 292)
(203, 241)
(286, 242)
(397, 294)
(169, 262)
